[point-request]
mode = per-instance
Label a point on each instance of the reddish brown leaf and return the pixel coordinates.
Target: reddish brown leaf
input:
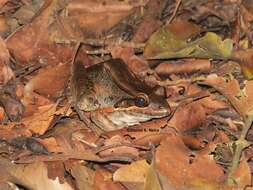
(37, 46)
(174, 165)
(183, 67)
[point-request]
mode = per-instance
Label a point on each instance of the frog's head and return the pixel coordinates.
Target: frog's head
(131, 111)
(116, 97)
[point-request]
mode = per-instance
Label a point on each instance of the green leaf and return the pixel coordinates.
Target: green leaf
(163, 44)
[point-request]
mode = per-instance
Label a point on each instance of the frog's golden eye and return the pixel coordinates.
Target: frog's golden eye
(141, 100)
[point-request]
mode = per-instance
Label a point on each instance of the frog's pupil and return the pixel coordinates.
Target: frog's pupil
(140, 102)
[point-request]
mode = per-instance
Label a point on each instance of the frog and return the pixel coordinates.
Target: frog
(114, 96)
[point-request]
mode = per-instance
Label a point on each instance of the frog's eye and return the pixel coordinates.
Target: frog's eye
(141, 100)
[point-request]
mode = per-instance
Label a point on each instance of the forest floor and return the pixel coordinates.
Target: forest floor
(126, 94)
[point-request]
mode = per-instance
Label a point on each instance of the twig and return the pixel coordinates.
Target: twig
(103, 148)
(241, 143)
(175, 11)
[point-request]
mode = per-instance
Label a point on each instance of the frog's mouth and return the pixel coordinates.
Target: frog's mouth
(117, 118)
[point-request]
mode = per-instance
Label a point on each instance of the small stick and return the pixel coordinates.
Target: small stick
(175, 11)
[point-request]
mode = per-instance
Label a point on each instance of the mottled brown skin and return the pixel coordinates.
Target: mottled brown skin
(112, 85)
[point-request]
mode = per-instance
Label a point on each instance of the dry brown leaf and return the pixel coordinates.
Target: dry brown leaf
(144, 134)
(96, 6)
(241, 99)
(51, 145)
(31, 176)
(178, 169)
(6, 72)
(152, 181)
(117, 146)
(2, 2)
(89, 19)
(13, 130)
(188, 117)
(72, 135)
(183, 28)
(37, 46)
(32, 102)
(183, 67)
(194, 114)
(84, 176)
(49, 82)
(56, 171)
(2, 114)
(146, 28)
(103, 181)
(242, 175)
(245, 57)
(40, 121)
(136, 172)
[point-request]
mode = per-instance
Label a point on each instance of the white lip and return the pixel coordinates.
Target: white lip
(124, 117)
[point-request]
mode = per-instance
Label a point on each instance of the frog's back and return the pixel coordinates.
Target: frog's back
(94, 87)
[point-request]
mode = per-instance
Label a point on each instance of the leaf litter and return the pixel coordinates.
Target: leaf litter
(193, 56)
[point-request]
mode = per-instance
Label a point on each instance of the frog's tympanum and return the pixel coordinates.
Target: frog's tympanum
(113, 94)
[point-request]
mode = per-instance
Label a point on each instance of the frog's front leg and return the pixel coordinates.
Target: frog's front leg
(84, 118)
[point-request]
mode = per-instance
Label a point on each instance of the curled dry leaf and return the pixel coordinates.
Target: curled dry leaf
(183, 67)
(117, 146)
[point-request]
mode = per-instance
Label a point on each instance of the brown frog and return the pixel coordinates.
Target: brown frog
(113, 94)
